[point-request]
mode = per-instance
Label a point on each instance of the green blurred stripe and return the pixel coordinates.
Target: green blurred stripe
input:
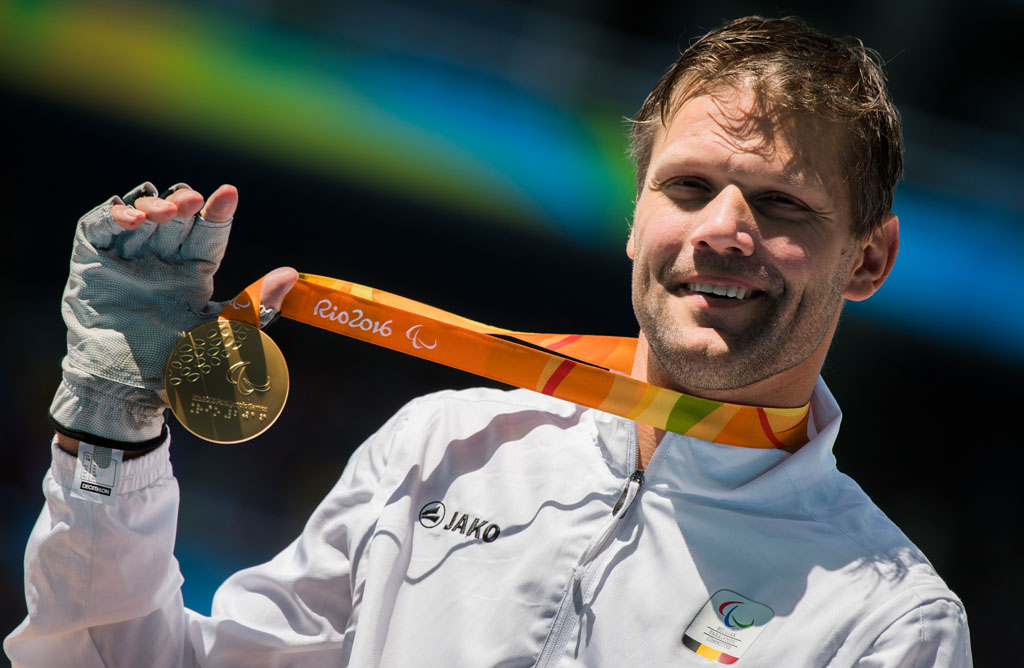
(259, 92)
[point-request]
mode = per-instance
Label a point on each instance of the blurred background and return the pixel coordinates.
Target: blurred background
(472, 155)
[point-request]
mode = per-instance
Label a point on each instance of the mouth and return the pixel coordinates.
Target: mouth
(732, 292)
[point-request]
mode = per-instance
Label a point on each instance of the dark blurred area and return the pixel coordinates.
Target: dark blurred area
(923, 414)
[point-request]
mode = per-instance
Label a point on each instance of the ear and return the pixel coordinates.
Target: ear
(877, 254)
(631, 243)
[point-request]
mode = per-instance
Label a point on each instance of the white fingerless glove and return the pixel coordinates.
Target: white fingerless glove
(130, 295)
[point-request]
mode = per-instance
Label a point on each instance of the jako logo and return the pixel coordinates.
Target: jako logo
(433, 513)
(727, 609)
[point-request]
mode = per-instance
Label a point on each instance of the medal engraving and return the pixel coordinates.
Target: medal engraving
(226, 381)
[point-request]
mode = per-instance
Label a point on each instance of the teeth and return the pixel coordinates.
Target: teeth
(734, 291)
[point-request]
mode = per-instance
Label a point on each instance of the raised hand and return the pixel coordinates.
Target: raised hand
(182, 203)
(141, 274)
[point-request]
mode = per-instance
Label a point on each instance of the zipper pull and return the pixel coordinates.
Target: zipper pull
(632, 488)
(621, 506)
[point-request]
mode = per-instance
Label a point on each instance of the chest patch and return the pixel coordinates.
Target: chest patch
(726, 626)
(434, 513)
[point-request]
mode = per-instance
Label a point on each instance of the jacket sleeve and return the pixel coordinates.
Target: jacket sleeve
(94, 572)
(933, 635)
(103, 586)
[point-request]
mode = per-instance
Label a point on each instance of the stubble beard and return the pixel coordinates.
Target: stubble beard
(791, 330)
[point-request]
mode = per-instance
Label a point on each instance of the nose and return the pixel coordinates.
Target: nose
(726, 224)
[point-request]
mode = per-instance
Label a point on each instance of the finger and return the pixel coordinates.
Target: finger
(127, 217)
(168, 236)
(187, 202)
(276, 285)
(220, 208)
(156, 209)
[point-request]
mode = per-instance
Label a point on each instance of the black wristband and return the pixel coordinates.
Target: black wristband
(93, 439)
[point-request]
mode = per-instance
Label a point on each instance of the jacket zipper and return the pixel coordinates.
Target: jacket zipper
(636, 477)
(565, 614)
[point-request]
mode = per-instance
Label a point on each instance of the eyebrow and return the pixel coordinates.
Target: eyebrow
(684, 157)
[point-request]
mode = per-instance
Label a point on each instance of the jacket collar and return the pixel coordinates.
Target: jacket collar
(725, 473)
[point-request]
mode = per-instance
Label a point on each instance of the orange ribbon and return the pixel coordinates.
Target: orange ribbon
(584, 369)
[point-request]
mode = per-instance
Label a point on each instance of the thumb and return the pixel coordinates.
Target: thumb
(276, 285)
(221, 206)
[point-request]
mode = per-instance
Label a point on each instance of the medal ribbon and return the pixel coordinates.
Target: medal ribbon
(588, 370)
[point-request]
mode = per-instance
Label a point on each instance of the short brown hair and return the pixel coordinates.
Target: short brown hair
(791, 66)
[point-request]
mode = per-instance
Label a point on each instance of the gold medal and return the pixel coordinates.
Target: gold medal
(226, 381)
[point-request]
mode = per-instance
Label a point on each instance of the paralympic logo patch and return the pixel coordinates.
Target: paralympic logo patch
(726, 626)
(726, 610)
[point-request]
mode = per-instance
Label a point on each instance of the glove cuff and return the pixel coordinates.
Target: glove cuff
(93, 439)
(106, 413)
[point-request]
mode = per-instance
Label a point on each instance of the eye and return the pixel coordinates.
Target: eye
(685, 188)
(687, 182)
(781, 199)
(781, 205)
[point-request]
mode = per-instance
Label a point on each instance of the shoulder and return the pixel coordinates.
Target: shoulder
(884, 568)
(868, 586)
(471, 410)
(481, 420)
(496, 398)
(924, 625)
(933, 634)
(868, 533)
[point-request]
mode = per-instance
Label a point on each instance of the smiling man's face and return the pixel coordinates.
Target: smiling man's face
(741, 246)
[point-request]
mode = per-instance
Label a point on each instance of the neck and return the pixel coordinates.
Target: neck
(789, 390)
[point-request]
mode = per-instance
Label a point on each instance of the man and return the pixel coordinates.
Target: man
(486, 528)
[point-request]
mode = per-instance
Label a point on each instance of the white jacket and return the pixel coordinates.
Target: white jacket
(476, 529)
